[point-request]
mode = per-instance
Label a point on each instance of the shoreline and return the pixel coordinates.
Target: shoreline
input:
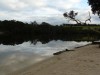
(82, 61)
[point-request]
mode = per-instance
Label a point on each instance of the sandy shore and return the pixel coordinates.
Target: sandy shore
(82, 61)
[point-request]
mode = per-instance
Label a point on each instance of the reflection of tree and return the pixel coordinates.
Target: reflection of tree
(12, 40)
(34, 41)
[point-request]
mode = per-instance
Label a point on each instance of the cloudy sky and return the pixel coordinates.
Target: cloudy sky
(44, 10)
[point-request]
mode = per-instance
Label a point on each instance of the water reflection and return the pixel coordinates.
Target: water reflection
(22, 55)
(19, 39)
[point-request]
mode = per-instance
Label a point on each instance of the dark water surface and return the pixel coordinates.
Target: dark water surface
(15, 57)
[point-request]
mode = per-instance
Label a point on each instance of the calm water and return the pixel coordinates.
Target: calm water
(15, 57)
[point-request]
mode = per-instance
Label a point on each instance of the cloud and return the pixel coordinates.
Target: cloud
(42, 10)
(63, 3)
(12, 5)
(35, 3)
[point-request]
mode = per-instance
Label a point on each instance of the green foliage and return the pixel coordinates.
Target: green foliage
(95, 5)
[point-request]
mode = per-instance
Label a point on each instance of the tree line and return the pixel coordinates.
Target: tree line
(20, 28)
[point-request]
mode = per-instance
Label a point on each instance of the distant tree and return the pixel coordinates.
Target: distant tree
(72, 16)
(45, 24)
(95, 5)
(34, 23)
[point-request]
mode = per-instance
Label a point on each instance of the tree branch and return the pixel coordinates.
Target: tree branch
(89, 19)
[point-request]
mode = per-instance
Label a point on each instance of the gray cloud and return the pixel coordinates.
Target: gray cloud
(42, 10)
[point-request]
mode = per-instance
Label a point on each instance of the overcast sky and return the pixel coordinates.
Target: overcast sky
(50, 11)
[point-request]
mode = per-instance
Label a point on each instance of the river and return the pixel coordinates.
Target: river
(18, 56)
